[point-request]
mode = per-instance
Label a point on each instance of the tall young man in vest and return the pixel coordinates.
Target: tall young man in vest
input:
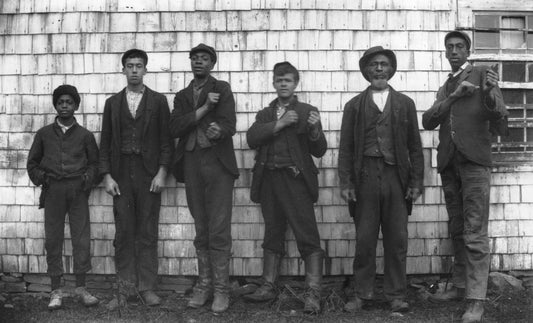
(135, 150)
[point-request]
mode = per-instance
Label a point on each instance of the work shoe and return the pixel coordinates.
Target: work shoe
(312, 301)
(354, 305)
(267, 291)
(452, 294)
(85, 297)
(150, 298)
(474, 312)
(313, 281)
(399, 306)
(203, 289)
(220, 269)
(56, 298)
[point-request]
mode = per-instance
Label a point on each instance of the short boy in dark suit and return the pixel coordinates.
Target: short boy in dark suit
(64, 160)
(286, 135)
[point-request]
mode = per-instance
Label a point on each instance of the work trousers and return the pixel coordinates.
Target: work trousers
(466, 188)
(286, 198)
(380, 203)
(136, 212)
(209, 190)
(62, 197)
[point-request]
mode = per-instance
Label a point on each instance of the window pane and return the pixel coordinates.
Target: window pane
(514, 72)
(530, 67)
(529, 96)
(483, 39)
(487, 21)
(529, 110)
(529, 134)
(513, 38)
(530, 40)
(513, 96)
(515, 135)
(516, 113)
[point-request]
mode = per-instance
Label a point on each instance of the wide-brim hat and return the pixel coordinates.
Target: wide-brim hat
(204, 48)
(459, 34)
(371, 52)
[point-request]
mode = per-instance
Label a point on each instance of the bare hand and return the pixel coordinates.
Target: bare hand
(314, 119)
(111, 187)
(214, 131)
(158, 181)
(491, 80)
(412, 194)
(464, 89)
(290, 117)
(212, 99)
(348, 194)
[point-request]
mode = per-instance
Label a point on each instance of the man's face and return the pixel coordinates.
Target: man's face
(134, 69)
(456, 52)
(65, 107)
(285, 85)
(201, 64)
(379, 70)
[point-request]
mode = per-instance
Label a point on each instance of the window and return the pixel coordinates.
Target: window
(504, 41)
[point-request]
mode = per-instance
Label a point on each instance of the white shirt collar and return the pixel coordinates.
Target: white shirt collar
(380, 98)
(462, 68)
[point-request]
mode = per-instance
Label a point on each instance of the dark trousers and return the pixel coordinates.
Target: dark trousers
(380, 203)
(209, 189)
(136, 212)
(285, 198)
(466, 188)
(62, 197)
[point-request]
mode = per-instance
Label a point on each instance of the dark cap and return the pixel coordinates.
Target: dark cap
(134, 52)
(371, 52)
(66, 89)
(459, 34)
(204, 48)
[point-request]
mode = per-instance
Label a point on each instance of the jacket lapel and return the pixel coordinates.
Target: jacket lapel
(115, 114)
(147, 104)
(464, 74)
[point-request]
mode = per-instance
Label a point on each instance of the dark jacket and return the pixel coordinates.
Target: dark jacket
(473, 119)
(406, 137)
(156, 145)
(58, 156)
(183, 122)
(301, 147)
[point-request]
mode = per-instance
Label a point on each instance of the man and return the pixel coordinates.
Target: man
(64, 160)
(381, 168)
(286, 135)
(204, 120)
(468, 106)
(135, 152)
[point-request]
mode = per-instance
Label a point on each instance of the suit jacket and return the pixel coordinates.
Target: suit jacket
(406, 138)
(156, 144)
(183, 122)
(301, 147)
(468, 123)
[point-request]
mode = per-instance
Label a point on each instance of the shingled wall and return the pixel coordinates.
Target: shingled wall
(45, 43)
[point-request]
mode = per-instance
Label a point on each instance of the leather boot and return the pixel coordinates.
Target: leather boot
(313, 281)
(268, 290)
(203, 289)
(452, 294)
(474, 311)
(220, 268)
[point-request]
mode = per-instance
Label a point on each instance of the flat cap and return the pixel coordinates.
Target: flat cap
(459, 34)
(373, 51)
(204, 48)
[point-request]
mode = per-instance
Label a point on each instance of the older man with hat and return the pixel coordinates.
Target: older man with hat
(381, 169)
(469, 109)
(203, 121)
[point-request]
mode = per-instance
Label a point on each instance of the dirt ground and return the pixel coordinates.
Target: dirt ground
(510, 306)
